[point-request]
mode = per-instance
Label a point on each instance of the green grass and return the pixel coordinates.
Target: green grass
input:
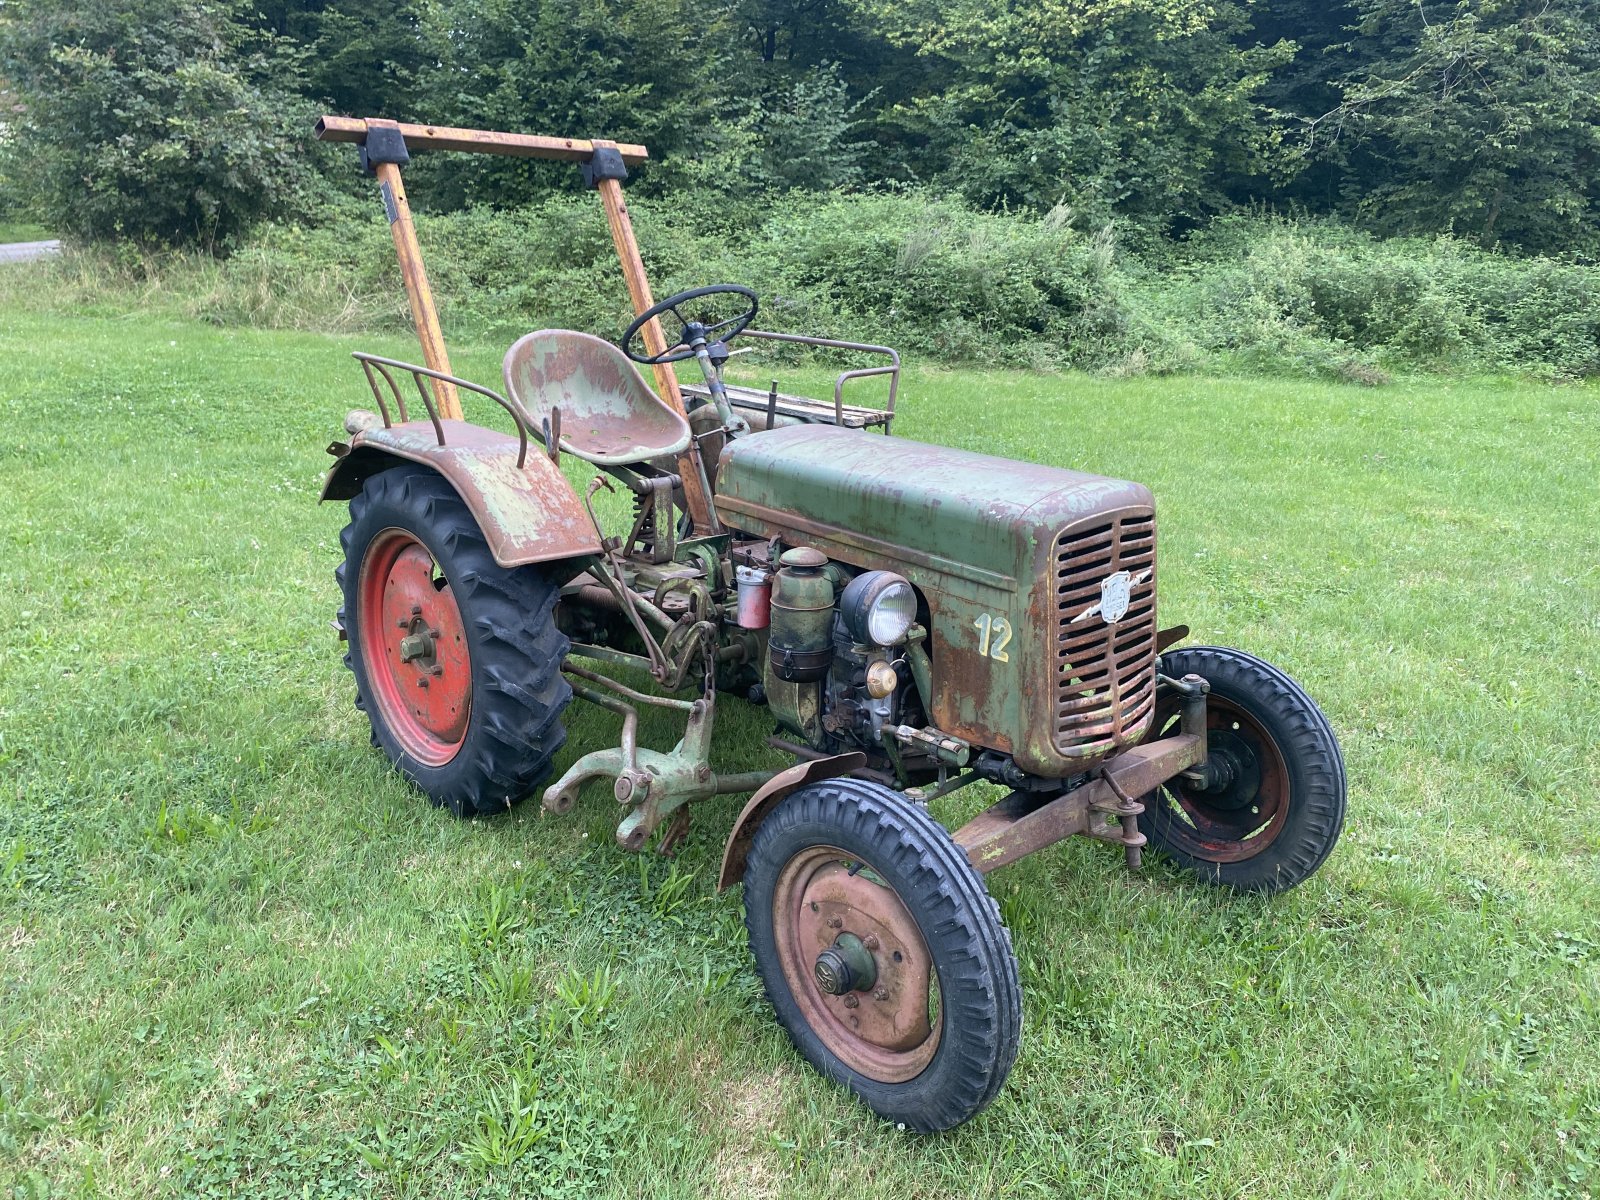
(240, 958)
(22, 231)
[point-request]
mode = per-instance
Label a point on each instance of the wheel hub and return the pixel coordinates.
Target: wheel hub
(1238, 805)
(1232, 771)
(414, 647)
(418, 645)
(857, 964)
(845, 966)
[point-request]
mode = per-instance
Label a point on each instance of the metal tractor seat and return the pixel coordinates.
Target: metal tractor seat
(608, 414)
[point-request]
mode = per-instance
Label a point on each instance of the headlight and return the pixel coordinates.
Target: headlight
(878, 607)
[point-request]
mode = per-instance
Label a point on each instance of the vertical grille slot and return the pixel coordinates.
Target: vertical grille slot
(1105, 685)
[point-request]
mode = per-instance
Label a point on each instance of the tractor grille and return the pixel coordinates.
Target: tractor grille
(1105, 690)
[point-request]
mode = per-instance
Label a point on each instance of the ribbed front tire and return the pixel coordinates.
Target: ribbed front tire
(1273, 806)
(882, 952)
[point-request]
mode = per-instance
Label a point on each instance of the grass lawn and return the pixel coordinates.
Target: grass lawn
(13, 231)
(240, 958)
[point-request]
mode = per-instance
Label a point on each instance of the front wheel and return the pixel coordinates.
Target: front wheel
(457, 660)
(1271, 807)
(882, 952)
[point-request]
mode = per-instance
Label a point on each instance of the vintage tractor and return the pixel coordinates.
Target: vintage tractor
(914, 618)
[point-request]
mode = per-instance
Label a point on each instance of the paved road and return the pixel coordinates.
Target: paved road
(23, 251)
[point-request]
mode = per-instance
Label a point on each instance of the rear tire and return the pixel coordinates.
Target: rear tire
(847, 859)
(473, 716)
(1275, 808)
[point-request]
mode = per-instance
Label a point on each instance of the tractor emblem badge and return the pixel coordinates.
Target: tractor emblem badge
(1116, 593)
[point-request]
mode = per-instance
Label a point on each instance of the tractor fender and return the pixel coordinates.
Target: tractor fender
(767, 798)
(528, 514)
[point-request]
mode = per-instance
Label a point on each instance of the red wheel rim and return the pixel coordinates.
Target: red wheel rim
(1233, 822)
(890, 1030)
(414, 647)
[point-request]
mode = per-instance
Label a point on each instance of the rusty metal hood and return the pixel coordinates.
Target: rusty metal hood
(996, 548)
(946, 508)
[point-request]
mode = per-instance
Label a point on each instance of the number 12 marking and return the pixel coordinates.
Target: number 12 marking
(994, 635)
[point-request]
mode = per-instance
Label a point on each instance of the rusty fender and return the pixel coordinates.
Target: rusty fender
(1026, 822)
(528, 514)
(767, 799)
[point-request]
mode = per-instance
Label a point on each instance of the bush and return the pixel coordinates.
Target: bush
(148, 119)
(1322, 298)
(914, 270)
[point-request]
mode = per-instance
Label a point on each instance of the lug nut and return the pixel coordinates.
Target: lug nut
(835, 922)
(851, 1000)
(870, 941)
(880, 993)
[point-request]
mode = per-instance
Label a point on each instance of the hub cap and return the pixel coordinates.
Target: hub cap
(414, 647)
(856, 964)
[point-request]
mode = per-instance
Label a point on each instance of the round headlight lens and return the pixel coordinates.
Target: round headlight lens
(879, 607)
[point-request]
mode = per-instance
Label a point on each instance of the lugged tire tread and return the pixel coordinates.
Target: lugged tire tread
(516, 650)
(959, 919)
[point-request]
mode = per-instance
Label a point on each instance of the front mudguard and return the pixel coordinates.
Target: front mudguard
(767, 798)
(528, 514)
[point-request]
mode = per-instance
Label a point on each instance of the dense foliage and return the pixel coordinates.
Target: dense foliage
(931, 275)
(1477, 118)
(146, 119)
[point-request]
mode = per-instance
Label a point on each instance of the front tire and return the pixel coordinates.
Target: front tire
(1273, 805)
(457, 660)
(882, 952)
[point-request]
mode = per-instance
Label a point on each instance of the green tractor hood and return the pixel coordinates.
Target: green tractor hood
(992, 544)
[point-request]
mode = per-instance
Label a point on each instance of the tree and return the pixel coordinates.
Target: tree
(1134, 107)
(1480, 117)
(152, 119)
(362, 57)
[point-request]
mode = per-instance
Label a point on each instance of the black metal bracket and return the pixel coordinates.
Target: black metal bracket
(383, 145)
(605, 163)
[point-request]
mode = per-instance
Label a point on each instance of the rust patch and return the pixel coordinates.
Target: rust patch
(528, 514)
(609, 414)
(1024, 823)
(767, 798)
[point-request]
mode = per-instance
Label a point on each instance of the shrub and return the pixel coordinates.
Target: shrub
(918, 271)
(1319, 297)
(148, 119)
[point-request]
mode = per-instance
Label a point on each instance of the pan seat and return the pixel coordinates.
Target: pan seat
(609, 415)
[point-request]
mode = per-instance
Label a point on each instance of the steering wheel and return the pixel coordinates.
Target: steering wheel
(690, 330)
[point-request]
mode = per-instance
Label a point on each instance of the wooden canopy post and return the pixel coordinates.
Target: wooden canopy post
(423, 313)
(696, 488)
(385, 149)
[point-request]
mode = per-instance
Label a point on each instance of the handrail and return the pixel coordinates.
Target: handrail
(418, 373)
(892, 370)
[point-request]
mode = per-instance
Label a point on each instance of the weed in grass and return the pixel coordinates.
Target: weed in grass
(668, 897)
(506, 1127)
(508, 987)
(499, 912)
(581, 1002)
